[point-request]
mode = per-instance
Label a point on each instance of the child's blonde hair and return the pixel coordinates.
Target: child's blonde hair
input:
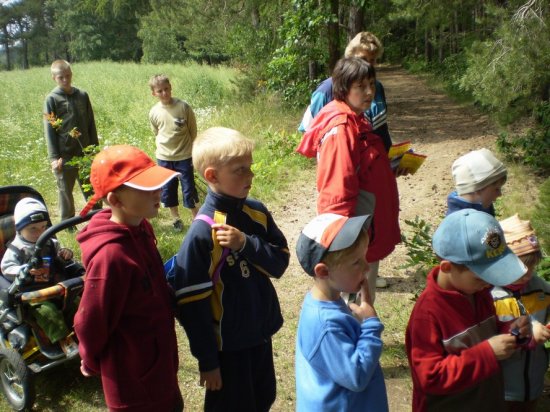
(217, 146)
(59, 66)
(531, 260)
(157, 79)
(364, 42)
(333, 259)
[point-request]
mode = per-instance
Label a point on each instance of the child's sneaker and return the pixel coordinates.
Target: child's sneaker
(69, 346)
(178, 225)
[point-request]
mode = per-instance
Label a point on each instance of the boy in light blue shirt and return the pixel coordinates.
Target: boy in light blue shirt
(338, 347)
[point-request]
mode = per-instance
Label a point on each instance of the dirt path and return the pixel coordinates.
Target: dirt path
(443, 131)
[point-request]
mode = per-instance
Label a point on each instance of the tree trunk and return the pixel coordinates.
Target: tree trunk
(454, 34)
(6, 44)
(427, 47)
(356, 18)
(25, 56)
(333, 29)
(255, 16)
(416, 37)
(312, 70)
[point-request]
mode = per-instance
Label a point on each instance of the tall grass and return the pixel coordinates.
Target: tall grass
(121, 100)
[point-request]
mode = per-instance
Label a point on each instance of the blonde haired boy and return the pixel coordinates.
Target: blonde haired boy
(231, 315)
(338, 348)
(219, 145)
(365, 45)
(173, 122)
(60, 66)
(66, 139)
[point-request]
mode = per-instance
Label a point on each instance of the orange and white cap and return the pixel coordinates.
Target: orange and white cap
(124, 165)
(327, 232)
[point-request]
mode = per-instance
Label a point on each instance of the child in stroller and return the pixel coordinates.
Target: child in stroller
(31, 220)
(25, 349)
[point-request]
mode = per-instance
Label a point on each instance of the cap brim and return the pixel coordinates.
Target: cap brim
(349, 232)
(501, 272)
(152, 178)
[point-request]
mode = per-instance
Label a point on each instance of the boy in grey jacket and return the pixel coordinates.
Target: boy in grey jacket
(69, 127)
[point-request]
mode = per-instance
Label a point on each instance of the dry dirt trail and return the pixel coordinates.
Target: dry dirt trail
(438, 128)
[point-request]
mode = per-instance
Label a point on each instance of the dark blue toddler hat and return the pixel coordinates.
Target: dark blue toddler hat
(476, 240)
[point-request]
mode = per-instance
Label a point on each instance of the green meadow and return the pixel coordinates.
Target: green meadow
(121, 99)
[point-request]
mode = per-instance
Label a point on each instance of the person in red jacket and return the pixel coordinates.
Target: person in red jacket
(452, 339)
(354, 176)
(125, 320)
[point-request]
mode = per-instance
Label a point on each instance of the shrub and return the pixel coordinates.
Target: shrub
(418, 241)
(302, 43)
(531, 148)
(509, 72)
(541, 223)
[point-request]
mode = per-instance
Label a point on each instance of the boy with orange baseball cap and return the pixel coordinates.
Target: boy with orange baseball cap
(125, 322)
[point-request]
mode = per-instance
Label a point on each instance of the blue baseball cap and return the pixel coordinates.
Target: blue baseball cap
(476, 240)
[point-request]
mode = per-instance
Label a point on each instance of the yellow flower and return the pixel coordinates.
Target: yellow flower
(74, 133)
(52, 120)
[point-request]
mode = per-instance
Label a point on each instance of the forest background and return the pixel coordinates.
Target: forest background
(495, 52)
(492, 53)
(268, 57)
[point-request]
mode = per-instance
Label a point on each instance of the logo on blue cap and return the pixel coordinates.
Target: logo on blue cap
(494, 240)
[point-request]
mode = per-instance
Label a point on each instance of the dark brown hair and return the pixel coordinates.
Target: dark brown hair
(348, 71)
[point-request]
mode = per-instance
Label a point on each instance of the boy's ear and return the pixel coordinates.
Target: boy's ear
(210, 175)
(113, 199)
(321, 271)
(445, 266)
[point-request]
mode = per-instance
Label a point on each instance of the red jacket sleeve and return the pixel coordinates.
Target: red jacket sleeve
(337, 178)
(437, 372)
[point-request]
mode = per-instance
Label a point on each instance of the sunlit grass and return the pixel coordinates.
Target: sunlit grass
(121, 100)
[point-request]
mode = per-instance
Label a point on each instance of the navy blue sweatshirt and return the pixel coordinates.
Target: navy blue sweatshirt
(241, 310)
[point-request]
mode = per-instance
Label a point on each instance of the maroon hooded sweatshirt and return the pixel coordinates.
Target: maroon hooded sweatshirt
(125, 321)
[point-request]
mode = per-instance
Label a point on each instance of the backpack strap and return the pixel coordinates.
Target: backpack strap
(225, 250)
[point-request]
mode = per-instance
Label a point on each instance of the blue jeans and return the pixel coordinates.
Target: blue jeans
(169, 196)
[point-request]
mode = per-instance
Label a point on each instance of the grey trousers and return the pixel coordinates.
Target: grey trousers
(66, 179)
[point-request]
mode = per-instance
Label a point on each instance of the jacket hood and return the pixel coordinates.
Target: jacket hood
(456, 203)
(333, 114)
(58, 90)
(101, 230)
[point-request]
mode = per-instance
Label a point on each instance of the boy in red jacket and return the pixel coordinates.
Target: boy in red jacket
(452, 338)
(125, 322)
